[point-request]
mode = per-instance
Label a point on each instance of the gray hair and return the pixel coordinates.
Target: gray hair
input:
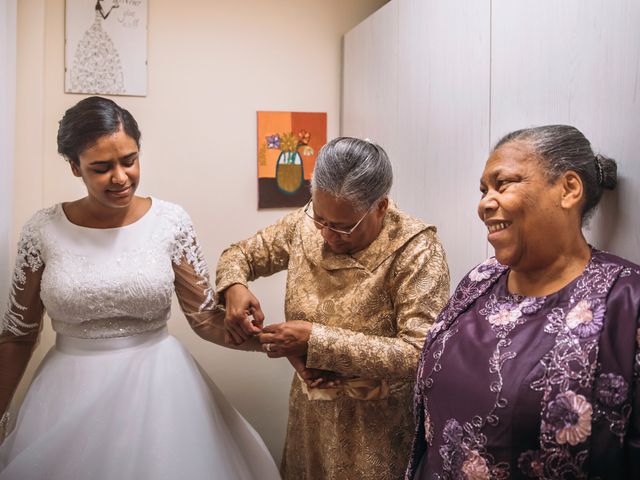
(564, 148)
(352, 169)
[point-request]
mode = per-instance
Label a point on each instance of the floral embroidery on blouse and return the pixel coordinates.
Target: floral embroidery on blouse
(611, 389)
(451, 450)
(428, 429)
(569, 415)
(438, 326)
(464, 454)
(612, 403)
(466, 293)
(485, 270)
(464, 447)
(501, 312)
(627, 271)
(475, 467)
(570, 373)
(586, 317)
(530, 463)
(509, 313)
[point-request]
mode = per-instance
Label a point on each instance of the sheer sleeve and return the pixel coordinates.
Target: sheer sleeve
(22, 322)
(261, 255)
(195, 293)
(419, 288)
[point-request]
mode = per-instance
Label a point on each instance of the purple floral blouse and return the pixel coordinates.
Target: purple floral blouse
(532, 387)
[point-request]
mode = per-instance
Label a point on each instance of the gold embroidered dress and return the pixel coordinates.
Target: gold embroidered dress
(370, 312)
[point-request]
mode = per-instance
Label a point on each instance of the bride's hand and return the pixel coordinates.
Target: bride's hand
(244, 317)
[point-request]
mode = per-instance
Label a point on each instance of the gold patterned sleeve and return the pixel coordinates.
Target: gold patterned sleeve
(419, 288)
(261, 255)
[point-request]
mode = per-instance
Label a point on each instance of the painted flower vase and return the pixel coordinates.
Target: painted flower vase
(289, 172)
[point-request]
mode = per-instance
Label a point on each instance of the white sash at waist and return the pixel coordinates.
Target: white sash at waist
(96, 346)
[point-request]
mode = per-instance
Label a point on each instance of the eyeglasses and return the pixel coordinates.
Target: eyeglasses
(320, 225)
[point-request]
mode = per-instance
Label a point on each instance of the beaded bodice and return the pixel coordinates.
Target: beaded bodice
(101, 283)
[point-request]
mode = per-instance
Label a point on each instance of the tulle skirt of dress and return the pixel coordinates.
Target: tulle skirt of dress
(129, 408)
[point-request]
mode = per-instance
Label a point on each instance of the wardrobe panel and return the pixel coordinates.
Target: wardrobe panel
(443, 121)
(370, 79)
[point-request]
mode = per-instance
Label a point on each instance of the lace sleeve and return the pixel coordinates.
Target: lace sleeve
(193, 287)
(194, 290)
(22, 321)
(24, 312)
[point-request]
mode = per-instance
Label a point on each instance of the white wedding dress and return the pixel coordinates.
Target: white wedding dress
(117, 398)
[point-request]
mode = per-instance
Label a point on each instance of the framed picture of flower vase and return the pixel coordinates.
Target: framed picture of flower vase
(288, 144)
(106, 47)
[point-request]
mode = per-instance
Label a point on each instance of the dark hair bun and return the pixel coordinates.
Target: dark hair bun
(88, 120)
(607, 172)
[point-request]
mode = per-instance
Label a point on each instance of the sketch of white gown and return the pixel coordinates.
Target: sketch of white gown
(96, 64)
(117, 397)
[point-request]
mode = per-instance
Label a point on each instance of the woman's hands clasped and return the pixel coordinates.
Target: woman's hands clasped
(286, 339)
(313, 377)
(244, 318)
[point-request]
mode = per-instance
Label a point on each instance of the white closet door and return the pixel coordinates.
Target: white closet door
(576, 62)
(443, 121)
(416, 80)
(370, 79)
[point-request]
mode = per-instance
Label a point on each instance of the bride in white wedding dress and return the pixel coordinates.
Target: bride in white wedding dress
(116, 398)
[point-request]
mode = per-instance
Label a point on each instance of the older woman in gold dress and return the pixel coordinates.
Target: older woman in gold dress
(365, 282)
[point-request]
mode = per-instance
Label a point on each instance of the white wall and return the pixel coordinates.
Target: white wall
(212, 65)
(7, 123)
(465, 72)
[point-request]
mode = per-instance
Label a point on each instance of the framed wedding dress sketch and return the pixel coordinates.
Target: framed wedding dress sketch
(106, 47)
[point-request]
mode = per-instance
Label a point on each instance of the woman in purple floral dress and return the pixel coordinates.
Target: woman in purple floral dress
(531, 370)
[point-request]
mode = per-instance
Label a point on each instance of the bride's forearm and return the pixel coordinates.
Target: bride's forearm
(209, 325)
(14, 358)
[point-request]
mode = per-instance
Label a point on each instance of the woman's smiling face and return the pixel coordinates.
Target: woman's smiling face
(520, 206)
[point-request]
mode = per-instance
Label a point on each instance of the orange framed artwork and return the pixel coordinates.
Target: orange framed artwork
(288, 145)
